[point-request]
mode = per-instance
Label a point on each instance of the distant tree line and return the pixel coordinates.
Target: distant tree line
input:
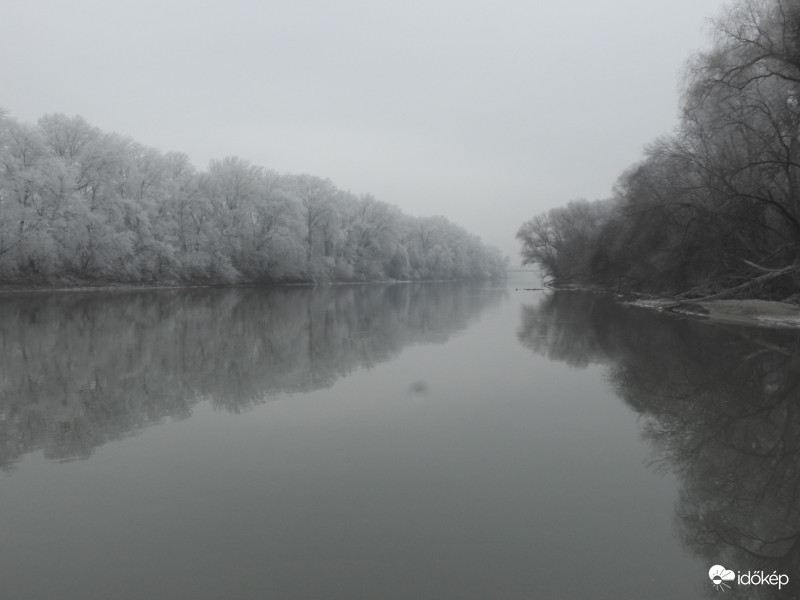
(78, 205)
(713, 210)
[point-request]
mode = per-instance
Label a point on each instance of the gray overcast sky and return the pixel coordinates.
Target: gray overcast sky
(485, 112)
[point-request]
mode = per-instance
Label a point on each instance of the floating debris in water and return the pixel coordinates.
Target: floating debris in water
(418, 391)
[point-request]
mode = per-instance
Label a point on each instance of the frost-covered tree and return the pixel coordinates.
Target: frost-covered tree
(79, 206)
(713, 210)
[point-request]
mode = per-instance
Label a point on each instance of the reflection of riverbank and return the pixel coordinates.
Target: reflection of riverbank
(80, 369)
(720, 407)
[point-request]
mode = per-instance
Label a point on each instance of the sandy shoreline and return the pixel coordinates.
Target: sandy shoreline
(756, 313)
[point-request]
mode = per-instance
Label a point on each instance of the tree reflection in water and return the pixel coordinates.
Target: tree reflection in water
(80, 369)
(721, 408)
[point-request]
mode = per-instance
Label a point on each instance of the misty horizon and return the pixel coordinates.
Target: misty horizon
(487, 115)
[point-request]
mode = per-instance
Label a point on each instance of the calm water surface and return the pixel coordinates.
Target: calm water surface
(427, 441)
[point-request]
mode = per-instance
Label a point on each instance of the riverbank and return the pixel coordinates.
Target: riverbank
(749, 311)
(127, 287)
(104, 287)
(755, 313)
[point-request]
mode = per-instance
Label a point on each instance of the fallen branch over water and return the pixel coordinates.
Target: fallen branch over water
(749, 285)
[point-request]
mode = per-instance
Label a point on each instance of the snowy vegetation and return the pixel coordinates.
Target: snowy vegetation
(713, 210)
(79, 206)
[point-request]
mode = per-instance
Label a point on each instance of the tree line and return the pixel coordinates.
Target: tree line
(713, 209)
(78, 205)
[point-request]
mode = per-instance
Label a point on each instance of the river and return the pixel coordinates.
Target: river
(425, 441)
